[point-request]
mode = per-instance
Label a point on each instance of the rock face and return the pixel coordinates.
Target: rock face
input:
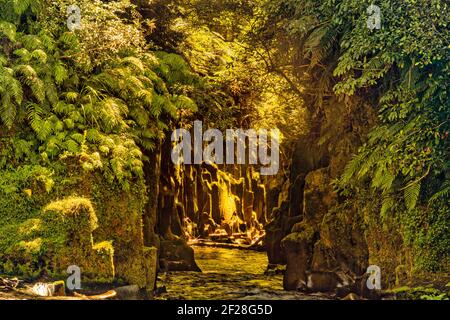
(316, 233)
(226, 203)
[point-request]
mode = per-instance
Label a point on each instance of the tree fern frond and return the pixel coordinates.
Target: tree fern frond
(387, 204)
(411, 195)
(63, 108)
(71, 96)
(31, 42)
(38, 89)
(93, 135)
(183, 102)
(39, 55)
(24, 54)
(141, 117)
(157, 106)
(112, 111)
(382, 179)
(146, 96)
(8, 110)
(60, 73)
(443, 193)
(20, 6)
(134, 62)
(78, 137)
(26, 70)
(71, 146)
(8, 29)
(352, 167)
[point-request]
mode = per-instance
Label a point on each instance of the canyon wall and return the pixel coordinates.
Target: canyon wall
(319, 235)
(208, 201)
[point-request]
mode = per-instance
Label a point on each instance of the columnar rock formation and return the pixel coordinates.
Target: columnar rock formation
(196, 201)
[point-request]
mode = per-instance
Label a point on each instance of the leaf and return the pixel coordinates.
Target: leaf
(60, 73)
(443, 193)
(134, 62)
(20, 6)
(39, 55)
(8, 29)
(387, 203)
(411, 195)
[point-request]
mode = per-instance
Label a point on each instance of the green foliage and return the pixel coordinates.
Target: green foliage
(17, 188)
(51, 96)
(61, 233)
(420, 293)
(325, 49)
(78, 111)
(103, 96)
(406, 155)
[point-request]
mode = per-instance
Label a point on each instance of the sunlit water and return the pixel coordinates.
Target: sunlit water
(227, 274)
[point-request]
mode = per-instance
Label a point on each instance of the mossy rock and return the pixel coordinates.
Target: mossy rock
(60, 236)
(301, 232)
(48, 222)
(73, 218)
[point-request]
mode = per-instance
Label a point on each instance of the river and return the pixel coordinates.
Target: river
(227, 274)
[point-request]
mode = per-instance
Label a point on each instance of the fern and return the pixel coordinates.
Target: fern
(411, 195)
(134, 62)
(38, 89)
(60, 73)
(8, 110)
(387, 204)
(8, 29)
(11, 97)
(39, 55)
(351, 168)
(443, 193)
(35, 115)
(182, 102)
(382, 179)
(20, 6)
(32, 42)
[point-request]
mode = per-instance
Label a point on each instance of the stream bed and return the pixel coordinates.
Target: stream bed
(227, 274)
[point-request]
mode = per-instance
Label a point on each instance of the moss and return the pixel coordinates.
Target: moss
(70, 221)
(121, 222)
(77, 212)
(60, 236)
(29, 248)
(150, 255)
(420, 293)
(300, 232)
(80, 208)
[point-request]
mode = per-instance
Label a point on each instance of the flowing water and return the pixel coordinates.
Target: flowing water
(227, 274)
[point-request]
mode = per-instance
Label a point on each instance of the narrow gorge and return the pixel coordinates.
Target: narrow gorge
(351, 98)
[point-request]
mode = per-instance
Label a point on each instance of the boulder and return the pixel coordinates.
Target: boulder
(176, 255)
(131, 292)
(297, 246)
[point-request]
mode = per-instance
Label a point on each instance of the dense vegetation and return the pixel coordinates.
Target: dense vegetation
(105, 96)
(294, 55)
